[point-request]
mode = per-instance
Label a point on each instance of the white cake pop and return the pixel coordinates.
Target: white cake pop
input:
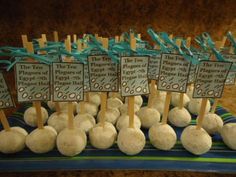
(195, 104)
(12, 141)
(95, 98)
(64, 106)
(158, 102)
(148, 116)
(114, 102)
(89, 108)
(51, 105)
(111, 115)
(124, 109)
(175, 99)
(138, 100)
(58, 121)
(228, 134)
(84, 121)
(190, 92)
(41, 140)
(162, 136)
(123, 122)
(116, 95)
(179, 117)
(103, 137)
(30, 116)
(212, 123)
(196, 141)
(71, 142)
(131, 141)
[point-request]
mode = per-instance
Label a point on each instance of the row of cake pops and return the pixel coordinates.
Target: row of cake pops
(43, 140)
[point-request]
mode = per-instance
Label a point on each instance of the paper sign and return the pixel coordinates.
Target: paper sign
(192, 73)
(210, 79)
(86, 79)
(154, 67)
(5, 96)
(174, 72)
(231, 78)
(68, 81)
(103, 74)
(32, 82)
(230, 58)
(134, 80)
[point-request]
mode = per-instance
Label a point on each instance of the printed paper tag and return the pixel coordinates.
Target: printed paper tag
(103, 74)
(230, 58)
(134, 80)
(174, 72)
(192, 73)
(32, 82)
(231, 78)
(210, 79)
(5, 96)
(154, 67)
(86, 79)
(68, 81)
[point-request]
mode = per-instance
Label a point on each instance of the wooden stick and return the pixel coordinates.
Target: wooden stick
(70, 104)
(152, 94)
(131, 111)
(55, 36)
(74, 38)
(131, 98)
(116, 39)
(213, 108)
(104, 94)
(57, 107)
(166, 108)
(39, 114)
(70, 115)
(24, 40)
(87, 97)
(44, 38)
(4, 121)
(181, 100)
(202, 113)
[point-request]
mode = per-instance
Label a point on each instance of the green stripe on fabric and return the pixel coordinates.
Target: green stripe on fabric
(187, 159)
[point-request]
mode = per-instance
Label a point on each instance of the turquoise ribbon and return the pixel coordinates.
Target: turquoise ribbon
(232, 40)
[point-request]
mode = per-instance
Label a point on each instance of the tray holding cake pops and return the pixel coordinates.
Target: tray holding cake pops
(219, 159)
(118, 103)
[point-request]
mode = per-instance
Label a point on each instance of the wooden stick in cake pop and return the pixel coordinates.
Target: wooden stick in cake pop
(104, 94)
(131, 98)
(74, 38)
(55, 36)
(44, 38)
(37, 104)
(70, 104)
(168, 96)
(4, 121)
(12, 138)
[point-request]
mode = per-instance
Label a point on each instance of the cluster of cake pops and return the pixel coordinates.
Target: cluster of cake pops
(118, 118)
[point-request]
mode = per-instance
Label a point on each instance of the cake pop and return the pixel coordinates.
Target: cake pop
(114, 102)
(116, 95)
(196, 141)
(111, 115)
(102, 137)
(90, 108)
(138, 100)
(131, 141)
(202, 141)
(175, 99)
(195, 104)
(94, 97)
(12, 140)
(228, 133)
(124, 109)
(179, 117)
(58, 120)
(148, 116)
(84, 121)
(30, 117)
(41, 140)
(123, 122)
